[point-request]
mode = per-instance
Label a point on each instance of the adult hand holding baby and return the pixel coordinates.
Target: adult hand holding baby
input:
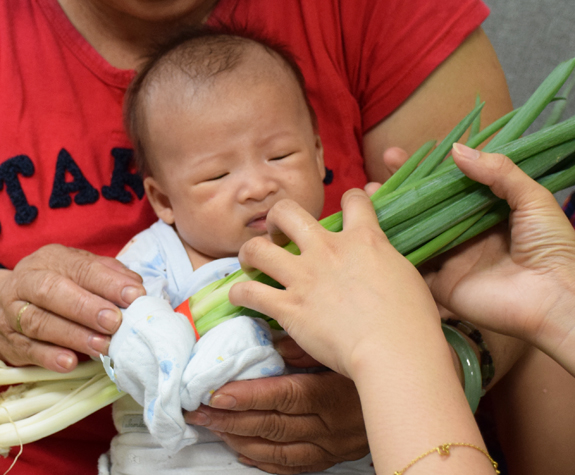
(60, 299)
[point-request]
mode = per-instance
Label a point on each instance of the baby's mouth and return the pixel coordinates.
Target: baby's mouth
(258, 221)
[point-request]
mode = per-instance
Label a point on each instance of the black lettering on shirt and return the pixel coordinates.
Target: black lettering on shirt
(328, 176)
(9, 171)
(122, 178)
(61, 190)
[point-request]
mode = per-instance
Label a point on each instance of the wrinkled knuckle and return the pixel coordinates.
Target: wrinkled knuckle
(271, 428)
(281, 456)
(501, 164)
(224, 424)
(34, 325)
(81, 271)
(294, 399)
(28, 351)
(48, 285)
(17, 357)
(17, 350)
(81, 304)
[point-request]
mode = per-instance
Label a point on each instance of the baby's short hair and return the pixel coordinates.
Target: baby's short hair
(200, 54)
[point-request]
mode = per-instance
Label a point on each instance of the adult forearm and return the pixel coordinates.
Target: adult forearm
(407, 412)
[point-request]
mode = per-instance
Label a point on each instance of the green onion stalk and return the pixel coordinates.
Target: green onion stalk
(426, 208)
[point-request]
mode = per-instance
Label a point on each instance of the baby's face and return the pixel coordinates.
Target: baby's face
(222, 158)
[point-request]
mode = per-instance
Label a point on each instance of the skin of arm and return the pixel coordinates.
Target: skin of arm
(386, 314)
(443, 99)
(534, 408)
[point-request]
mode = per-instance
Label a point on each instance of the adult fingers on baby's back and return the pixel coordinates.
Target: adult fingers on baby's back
(280, 458)
(268, 425)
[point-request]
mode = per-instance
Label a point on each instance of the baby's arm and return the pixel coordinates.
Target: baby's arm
(150, 353)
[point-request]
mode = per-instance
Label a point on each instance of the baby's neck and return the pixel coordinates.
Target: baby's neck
(198, 260)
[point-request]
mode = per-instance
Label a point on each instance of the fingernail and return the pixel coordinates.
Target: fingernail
(129, 294)
(99, 344)
(466, 152)
(223, 401)
(110, 320)
(198, 418)
(65, 361)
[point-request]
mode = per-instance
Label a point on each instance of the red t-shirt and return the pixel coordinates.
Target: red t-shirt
(65, 172)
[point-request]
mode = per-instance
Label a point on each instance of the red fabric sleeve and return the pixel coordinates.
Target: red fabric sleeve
(387, 60)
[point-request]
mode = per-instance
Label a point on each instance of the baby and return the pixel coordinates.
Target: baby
(222, 131)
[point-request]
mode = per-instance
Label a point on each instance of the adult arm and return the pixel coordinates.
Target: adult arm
(443, 99)
(355, 304)
(74, 297)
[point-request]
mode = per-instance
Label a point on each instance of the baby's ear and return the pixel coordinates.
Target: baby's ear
(159, 200)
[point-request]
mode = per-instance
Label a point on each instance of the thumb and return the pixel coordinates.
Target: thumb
(394, 158)
(505, 179)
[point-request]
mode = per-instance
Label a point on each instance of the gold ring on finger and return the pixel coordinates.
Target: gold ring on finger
(20, 313)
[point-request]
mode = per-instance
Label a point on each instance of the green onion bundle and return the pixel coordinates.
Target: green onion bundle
(426, 208)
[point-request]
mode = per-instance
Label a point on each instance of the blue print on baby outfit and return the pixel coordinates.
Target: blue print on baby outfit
(261, 335)
(272, 371)
(157, 262)
(166, 366)
(150, 411)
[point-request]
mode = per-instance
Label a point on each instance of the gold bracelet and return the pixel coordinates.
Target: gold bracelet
(443, 450)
